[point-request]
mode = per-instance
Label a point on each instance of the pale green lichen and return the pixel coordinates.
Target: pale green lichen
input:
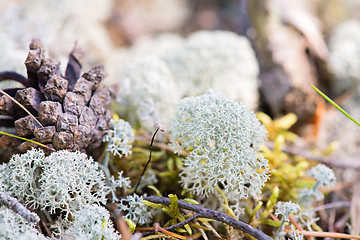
(324, 176)
(61, 181)
(221, 60)
(147, 92)
(92, 222)
(223, 138)
(15, 227)
(119, 138)
(132, 207)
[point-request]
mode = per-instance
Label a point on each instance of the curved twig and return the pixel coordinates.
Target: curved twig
(8, 75)
(183, 223)
(158, 127)
(212, 214)
(143, 172)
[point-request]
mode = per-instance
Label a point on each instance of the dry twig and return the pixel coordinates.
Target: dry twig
(9, 75)
(13, 204)
(326, 160)
(212, 214)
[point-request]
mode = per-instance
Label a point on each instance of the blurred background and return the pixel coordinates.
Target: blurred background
(295, 43)
(264, 53)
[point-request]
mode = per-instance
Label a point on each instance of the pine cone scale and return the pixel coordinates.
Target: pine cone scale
(73, 109)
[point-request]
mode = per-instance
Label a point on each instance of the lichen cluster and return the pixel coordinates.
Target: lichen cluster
(214, 156)
(223, 139)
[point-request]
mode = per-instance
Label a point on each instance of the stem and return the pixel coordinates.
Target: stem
(183, 223)
(143, 172)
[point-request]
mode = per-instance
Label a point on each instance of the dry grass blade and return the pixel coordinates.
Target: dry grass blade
(123, 228)
(27, 111)
(355, 211)
(327, 234)
(157, 228)
(212, 229)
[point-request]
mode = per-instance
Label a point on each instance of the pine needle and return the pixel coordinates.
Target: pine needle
(19, 104)
(335, 105)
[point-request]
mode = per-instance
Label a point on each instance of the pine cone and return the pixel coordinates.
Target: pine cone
(73, 109)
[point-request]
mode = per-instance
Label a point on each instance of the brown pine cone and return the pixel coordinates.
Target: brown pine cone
(73, 109)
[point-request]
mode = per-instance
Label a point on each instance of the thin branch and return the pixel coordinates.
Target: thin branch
(158, 127)
(326, 160)
(339, 204)
(208, 225)
(166, 147)
(298, 227)
(183, 223)
(212, 214)
(13, 204)
(203, 234)
(8, 75)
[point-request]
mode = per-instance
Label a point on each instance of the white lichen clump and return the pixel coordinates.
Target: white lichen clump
(119, 138)
(344, 58)
(160, 45)
(285, 209)
(121, 182)
(92, 222)
(147, 92)
(324, 176)
(59, 25)
(13, 226)
(63, 180)
(223, 139)
(220, 60)
(134, 209)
